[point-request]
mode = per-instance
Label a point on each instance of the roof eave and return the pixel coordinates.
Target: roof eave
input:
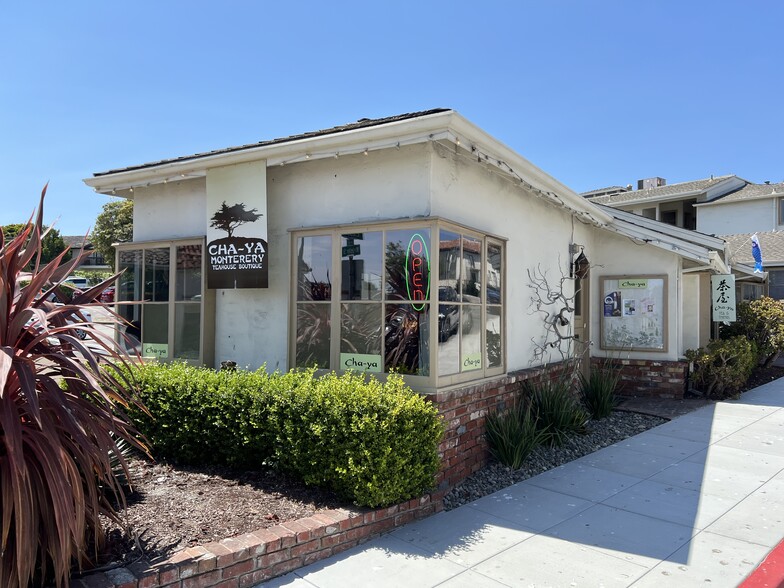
(404, 132)
(443, 126)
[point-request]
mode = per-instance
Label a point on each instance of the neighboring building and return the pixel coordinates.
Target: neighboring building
(727, 206)
(94, 260)
(673, 204)
(406, 243)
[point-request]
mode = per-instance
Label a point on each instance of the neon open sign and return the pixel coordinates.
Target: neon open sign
(417, 271)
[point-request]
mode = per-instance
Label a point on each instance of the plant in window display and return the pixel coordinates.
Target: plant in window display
(401, 340)
(314, 291)
(493, 348)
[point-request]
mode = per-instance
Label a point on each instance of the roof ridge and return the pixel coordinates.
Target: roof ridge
(358, 124)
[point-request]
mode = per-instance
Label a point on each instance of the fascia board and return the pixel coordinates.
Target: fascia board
(403, 131)
(665, 242)
(749, 271)
(723, 187)
(687, 235)
(465, 130)
(721, 201)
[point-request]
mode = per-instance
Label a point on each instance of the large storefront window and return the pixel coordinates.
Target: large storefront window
(165, 283)
(404, 305)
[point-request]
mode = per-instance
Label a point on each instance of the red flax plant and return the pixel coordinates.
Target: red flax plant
(61, 419)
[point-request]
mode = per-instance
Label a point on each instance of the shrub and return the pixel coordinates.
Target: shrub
(597, 390)
(199, 416)
(59, 446)
(557, 410)
(373, 443)
(723, 367)
(512, 434)
(761, 322)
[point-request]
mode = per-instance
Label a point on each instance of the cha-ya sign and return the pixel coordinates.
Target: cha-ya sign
(723, 297)
(236, 261)
(236, 217)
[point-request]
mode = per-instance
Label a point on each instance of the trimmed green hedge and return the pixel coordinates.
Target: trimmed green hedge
(371, 442)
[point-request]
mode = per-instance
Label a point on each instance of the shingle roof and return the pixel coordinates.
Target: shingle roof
(751, 192)
(74, 240)
(360, 124)
(660, 192)
(771, 245)
(590, 193)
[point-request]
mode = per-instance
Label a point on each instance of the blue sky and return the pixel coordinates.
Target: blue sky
(595, 93)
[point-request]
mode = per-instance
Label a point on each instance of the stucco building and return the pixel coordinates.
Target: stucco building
(411, 243)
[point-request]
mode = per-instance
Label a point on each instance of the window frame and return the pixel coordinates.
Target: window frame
(206, 302)
(435, 225)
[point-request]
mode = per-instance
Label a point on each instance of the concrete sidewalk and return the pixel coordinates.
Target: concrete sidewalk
(698, 500)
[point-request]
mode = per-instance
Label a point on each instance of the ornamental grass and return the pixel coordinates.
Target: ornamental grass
(61, 417)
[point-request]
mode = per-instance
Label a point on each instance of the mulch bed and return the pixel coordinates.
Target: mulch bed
(174, 507)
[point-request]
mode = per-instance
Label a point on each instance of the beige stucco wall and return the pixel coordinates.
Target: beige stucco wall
(422, 180)
(174, 210)
(538, 236)
(621, 256)
(696, 310)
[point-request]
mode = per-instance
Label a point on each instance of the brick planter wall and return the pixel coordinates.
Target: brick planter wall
(246, 560)
(648, 378)
(464, 450)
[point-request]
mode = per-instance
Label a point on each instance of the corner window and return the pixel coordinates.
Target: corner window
(780, 203)
(165, 284)
(421, 299)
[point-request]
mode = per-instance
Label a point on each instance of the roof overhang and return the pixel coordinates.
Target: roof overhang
(442, 127)
(710, 192)
(706, 251)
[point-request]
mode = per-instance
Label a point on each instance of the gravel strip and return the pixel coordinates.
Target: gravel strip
(616, 427)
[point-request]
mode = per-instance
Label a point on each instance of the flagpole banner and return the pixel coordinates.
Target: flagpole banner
(237, 226)
(756, 253)
(723, 298)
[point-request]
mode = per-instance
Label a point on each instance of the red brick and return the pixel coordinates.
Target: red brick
(249, 580)
(316, 556)
(270, 541)
(231, 583)
(238, 548)
(224, 556)
(361, 532)
(287, 538)
(304, 548)
(301, 532)
(203, 580)
(326, 519)
(315, 527)
(168, 574)
(331, 540)
(254, 544)
(285, 567)
(147, 577)
(238, 569)
(270, 559)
